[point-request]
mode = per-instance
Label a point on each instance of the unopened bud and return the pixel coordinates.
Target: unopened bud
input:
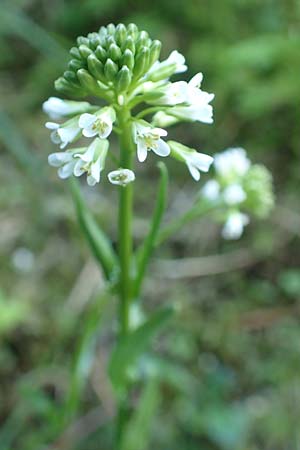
(96, 68)
(120, 34)
(141, 62)
(110, 70)
(87, 81)
(123, 79)
(101, 53)
(85, 51)
(128, 59)
(114, 52)
(154, 52)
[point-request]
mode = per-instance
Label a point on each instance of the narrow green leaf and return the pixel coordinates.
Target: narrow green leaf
(15, 142)
(148, 245)
(85, 354)
(14, 21)
(136, 436)
(97, 240)
(132, 346)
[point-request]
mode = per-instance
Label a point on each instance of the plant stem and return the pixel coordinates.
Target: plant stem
(125, 221)
(125, 251)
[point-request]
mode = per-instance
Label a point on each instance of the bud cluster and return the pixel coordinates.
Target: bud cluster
(109, 62)
(242, 188)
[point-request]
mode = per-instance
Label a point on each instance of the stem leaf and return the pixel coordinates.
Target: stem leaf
(97, 240)
(132, 345)
(136, 434)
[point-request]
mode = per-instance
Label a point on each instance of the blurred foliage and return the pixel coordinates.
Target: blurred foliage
(228, 367)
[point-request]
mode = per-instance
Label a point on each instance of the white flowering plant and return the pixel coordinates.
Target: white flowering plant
(135, 99)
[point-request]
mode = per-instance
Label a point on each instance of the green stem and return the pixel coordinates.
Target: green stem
(125, 249)
(125, 221)
(195, 212)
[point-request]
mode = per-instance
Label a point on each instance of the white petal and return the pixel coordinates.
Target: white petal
(196, 80)
(211, 190)
(142, 150)
(91, 181)
(201, 161)
(66, 170)
(159, 131)
(193, 171)
(86, 120)
(67, 134)
(59, 158)
(52, 125)
(108, 130)
(234, 225)
(78, 168)
(162, 148)
(89, 132)
(234, 194)
(96, 169)
(55, 137)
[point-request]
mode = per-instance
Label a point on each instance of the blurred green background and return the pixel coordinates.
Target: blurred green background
(232, 380)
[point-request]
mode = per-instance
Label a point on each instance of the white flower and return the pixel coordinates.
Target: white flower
(211, 190)
(232, 162)
(64, 161)
(92, 161)
(192, 103)
(100, 123)
(195, 113)
(121, 177)
(57, 108)
(188, 93)
(172, 94)
(64, 134)
(234, 194)
(195, 161)
(234, 225)
(175, 58)
(148, 138)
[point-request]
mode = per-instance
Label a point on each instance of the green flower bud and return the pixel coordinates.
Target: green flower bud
(120, 34)
(70, 76)
(128, 59)
(69, 88)
(95, 41)
(75, 53)
(111, 29)
(132, 29)
(258, 186)
(85, 51)
(96, 68)
(101, 53)
(129, 44)
(141, 62)
(154, 52)
(87, 81)
(75, 65)
(123, 79)
(114, 52)
(83, 41)
(102, 35)
(110, 70)
(110, 41)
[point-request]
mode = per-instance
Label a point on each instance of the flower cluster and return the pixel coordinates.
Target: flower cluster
(242, 187)
(121, 66)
